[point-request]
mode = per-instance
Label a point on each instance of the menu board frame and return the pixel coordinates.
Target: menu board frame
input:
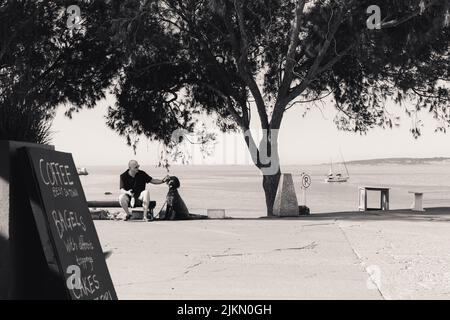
(66, 229)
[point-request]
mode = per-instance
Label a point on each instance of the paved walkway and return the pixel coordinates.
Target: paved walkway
(399, 255)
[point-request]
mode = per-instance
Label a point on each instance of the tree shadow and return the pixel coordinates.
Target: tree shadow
(430, 214)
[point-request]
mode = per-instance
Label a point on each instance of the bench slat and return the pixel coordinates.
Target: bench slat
(111, 204)
(429, 191)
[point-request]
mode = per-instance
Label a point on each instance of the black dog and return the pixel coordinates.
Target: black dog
(176, 209)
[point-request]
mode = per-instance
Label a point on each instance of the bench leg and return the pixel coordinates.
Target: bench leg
(362, 200)
(384, 201)
(418, 202)
(387, 201)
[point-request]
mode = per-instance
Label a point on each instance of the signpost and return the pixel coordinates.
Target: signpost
(305, 184)
(66, 230)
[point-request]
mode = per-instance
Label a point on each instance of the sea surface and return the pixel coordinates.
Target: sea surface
(238, 189)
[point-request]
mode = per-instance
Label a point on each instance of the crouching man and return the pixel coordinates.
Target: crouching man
(133, 191)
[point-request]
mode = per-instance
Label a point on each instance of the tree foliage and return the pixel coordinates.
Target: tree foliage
(44, 64)
(167, 61)
(216, 56)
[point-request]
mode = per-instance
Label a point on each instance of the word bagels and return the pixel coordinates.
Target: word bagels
(53, 173)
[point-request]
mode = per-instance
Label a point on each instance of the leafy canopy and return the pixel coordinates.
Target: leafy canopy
(190, 57)
(168, 61)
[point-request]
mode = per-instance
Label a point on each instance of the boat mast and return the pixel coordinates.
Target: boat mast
(346, 170)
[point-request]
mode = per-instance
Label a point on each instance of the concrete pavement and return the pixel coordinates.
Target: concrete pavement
(396, 255)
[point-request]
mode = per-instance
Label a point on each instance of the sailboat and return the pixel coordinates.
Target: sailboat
(337, 177)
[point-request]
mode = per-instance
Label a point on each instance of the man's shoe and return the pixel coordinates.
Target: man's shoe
(128, 217)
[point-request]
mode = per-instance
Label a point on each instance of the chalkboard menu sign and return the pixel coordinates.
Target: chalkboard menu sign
(65, 226)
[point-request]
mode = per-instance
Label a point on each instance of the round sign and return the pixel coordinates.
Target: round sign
(306, 180)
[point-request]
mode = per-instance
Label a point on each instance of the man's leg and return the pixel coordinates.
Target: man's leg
(124, 201)
(145, 198)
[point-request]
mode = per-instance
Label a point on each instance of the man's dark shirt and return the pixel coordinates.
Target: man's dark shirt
(136, 184)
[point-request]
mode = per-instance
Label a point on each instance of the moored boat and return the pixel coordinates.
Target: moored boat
(337, 177)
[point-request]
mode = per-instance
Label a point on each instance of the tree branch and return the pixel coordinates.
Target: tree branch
(336, 59)
(243, 69)
(222, 74)
(239, 120)
(397, 22)
(244, 38)
(416, 91)
(283, 101)
(293, 44)
(311, 100)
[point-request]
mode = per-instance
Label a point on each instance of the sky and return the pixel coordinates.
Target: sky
(313, 139)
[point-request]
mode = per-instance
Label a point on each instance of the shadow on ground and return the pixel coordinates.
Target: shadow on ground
(430, 214)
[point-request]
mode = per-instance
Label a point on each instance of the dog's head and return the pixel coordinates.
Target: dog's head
(173, 182)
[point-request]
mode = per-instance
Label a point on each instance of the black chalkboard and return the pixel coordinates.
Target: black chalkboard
(65, 226)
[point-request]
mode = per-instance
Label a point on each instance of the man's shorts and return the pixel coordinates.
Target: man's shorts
(137, 201)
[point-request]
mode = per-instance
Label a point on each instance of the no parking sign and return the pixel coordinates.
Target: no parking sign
(306, 180)
(305, 184)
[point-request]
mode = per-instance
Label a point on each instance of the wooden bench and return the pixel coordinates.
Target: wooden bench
(384, 198)
(115, 204)
(112, 204)
(152, 205)
(417, 204)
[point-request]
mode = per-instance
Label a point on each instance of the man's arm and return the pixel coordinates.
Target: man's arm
(158, 181)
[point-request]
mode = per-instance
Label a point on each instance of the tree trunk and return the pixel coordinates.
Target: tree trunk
(267, 160)
(270, 186)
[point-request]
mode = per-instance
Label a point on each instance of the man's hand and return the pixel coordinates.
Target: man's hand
(129, 192)
(163, 180)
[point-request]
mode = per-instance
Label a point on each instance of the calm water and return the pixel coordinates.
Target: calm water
(238, 189)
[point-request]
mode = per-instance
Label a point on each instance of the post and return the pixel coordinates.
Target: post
(362, 199)
(23, 268)
(385, 199)
(382, 200)
(304, 196)
(418, 202)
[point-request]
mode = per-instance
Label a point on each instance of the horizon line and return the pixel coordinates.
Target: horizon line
(286, 164)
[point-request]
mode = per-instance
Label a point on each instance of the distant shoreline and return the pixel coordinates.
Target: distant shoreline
(403, 161)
